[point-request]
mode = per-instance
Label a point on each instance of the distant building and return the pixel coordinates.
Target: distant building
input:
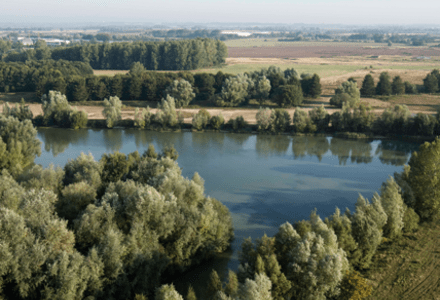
(55, 42)
(25, 41)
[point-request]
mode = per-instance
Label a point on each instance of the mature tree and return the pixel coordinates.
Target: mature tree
(431, 83)
(367, 224)
(383, 87)
(288, 95)
(394, 207)
(347, 92)
(182, 92)
(201, 119)
(368, 89)
(217, 121)
(137, 69)
(302, 122)
(21, 112)
(234, 91)
(112, 111)
(320, 118)
(56, 109)
(261, 89)
(410, 88)
(280, 120)
(394, 120)
(167, 116)
(264, 120)
(424, 167)
(315, 86)
(18, 144)
(317, 264)
(397, 86)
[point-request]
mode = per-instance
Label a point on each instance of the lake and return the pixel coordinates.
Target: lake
(264, 180)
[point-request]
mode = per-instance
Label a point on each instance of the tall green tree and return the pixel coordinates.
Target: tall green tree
(431, 83)
(182, 92)
(383, 87)
(368, 88)
(112, 111)
(397, 86)
(288, 95)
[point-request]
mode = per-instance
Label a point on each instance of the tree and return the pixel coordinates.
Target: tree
(214, 285)
(56, 109)
(167, 292)
(397, 86)
(410, 88)
(264, 120)
(288, 95)
(18, 144)
(302, 122)
(431, 83)
(367, 224)
(217, 121)
(394, 207)
(112, 111)
(320, 118)
(315, 86)
(182, 92)
(234, 91)
(201, 119)
(348, 93)
(261, 89)
(383, 87)
(279, 120)
(83, 168)
(368, 88)
(424, 167)
(354, 287)
(167, 116)
(137, 69)
(21, 112)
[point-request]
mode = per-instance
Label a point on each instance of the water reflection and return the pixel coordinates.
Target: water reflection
(113, 139)
(238, 139)
(309, 145)
(268, 145)
(58, 140)
(395, 153)
(359, 151)
(203, 142)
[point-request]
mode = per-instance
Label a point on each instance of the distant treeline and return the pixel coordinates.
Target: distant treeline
(170, 55)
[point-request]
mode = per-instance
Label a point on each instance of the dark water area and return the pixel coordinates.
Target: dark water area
(264, 180)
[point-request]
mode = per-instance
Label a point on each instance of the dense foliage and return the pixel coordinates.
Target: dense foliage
(105, 229)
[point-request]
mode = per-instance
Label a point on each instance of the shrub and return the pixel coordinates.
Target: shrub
(201, 119)
(394, 120)
(167, 116)
(354, 287)
(112, 111)
(217, 122)
(238, 123)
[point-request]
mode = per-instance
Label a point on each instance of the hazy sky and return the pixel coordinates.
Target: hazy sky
(278, 11)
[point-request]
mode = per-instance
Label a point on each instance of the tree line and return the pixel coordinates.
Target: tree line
(170, 55)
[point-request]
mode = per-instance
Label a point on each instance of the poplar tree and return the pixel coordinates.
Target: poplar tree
(112, 111)
(384, 85)
(368, 88)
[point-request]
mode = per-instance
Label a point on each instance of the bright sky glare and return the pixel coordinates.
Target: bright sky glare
(362, 12)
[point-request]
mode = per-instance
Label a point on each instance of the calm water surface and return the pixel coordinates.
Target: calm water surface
(264, 180)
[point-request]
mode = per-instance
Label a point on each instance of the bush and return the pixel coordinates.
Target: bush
(201, 119)
(217, 122)
(238, 123)
(167, 116)
(394, 120)
(112, 111)
(354, 287)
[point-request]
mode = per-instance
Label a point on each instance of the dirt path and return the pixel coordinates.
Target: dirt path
(410, 268)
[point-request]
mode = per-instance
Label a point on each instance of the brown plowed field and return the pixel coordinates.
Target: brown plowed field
(326, 51)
